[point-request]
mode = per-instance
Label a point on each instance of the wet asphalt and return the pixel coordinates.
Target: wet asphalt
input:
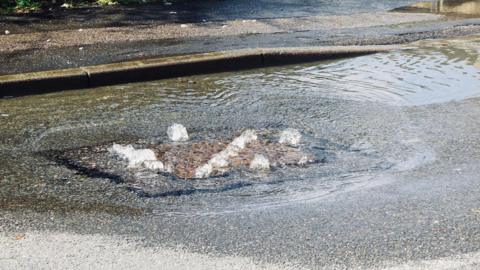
(186, 12)
(427, 211)
(70, 57)
(423, 212)
(65, 56)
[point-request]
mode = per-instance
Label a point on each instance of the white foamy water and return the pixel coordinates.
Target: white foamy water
(220, 160)
(290, 137)
(259, 162)
(177, 133)
(136, 157)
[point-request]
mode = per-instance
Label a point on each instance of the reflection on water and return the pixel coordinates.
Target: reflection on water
(436, 71)
(466, 7)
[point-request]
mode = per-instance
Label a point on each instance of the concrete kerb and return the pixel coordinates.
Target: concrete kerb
(43, 81)
(170, 67)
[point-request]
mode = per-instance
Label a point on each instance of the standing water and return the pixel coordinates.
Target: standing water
(351, 115)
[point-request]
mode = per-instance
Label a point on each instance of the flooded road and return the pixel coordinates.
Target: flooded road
(351, 113)
(437, 72)
(392, 128)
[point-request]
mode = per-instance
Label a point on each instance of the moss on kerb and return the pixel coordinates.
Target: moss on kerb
(169, 67)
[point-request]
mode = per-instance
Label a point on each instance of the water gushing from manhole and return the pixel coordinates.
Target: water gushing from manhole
(355, 114)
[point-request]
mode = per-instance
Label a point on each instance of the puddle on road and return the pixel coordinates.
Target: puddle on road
(351, 112)
(437, 71)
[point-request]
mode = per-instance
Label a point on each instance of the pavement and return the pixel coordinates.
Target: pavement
(108, 35)
(94, 37)
(100, 252)
(83, 252)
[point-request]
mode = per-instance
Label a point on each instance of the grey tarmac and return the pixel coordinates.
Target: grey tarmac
(423, 215)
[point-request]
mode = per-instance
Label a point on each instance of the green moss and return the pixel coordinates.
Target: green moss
(22, 6)
(11, 6)
(27, 4)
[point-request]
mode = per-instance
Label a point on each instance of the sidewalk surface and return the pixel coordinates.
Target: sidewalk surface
(73, 38)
